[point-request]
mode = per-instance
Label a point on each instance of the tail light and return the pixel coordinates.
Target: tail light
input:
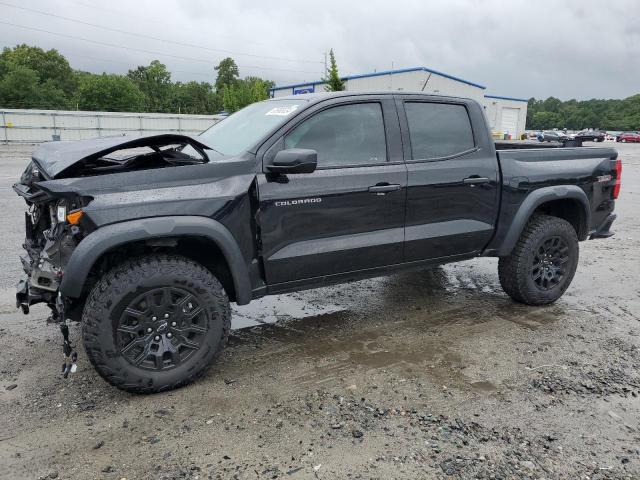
(618, 170)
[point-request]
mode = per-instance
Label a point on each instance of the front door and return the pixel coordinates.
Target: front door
(346, 216)
(452, 191)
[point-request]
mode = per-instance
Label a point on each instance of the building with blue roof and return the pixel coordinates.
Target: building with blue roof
(506, 115)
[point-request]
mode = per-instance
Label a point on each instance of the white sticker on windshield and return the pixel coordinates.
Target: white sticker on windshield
(282, 111)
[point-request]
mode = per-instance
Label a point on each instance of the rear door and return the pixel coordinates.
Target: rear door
(348, 215)
(452, 189)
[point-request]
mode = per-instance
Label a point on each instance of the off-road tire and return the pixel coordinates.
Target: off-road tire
(515, 270)
(109, 298)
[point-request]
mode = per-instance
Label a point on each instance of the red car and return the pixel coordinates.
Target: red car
(628, 137)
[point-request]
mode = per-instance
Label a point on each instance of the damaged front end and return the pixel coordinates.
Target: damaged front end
(59, 192)
(53, 228)
(55, 186)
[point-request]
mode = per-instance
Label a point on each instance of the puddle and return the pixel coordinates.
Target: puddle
(269, 310)
(329, 347)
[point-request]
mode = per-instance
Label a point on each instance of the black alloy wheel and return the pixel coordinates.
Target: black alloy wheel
(543, 262)
(549, 263)
(155, 322)
(161, 328)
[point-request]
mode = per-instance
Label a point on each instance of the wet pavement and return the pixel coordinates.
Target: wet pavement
(430, 374)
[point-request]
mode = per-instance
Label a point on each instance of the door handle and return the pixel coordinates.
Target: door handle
(384, 188)
(475, 180)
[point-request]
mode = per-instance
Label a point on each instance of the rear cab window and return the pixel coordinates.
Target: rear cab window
(438, 130)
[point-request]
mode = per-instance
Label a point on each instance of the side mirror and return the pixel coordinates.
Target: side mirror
(294, 160)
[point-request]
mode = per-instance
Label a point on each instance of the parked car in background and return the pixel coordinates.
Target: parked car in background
(552, 136)
(628, 137)
(612, 135)
(532, 135)
(588, 136)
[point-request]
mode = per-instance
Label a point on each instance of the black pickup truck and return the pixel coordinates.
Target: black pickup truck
(147, 240)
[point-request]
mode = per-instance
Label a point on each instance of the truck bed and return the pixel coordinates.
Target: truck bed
(525, 144)
(525, 170)
(586, 157)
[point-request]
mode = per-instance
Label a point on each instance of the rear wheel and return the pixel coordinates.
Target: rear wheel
(155, 323)
(542, 264)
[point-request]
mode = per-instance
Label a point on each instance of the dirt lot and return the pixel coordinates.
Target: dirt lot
(435, 374)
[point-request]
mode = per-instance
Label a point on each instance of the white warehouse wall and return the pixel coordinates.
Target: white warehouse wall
(418, 79)
(41, 125)
(494, 108)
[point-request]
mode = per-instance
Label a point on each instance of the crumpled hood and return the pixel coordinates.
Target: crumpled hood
(53, 158)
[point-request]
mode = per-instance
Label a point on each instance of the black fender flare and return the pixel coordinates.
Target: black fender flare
(111, 236)
(533, 201)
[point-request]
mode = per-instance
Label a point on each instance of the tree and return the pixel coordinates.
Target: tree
(244, 92)
(575, 114)
(21, 88)
(111, 93)
(228, 74)
(195, 98)
(154, 81)
(50, 66)
(333, 82)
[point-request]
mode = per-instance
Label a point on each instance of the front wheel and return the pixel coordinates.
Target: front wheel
(155, 323)
(542, 264)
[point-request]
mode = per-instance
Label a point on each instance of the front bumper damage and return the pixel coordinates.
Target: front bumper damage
(42, 283)
(45, 254)
(43, 279)
(48, 244)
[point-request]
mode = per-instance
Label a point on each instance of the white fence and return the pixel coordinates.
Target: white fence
(33, 126)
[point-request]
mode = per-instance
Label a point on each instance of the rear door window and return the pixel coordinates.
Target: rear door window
(438, 130)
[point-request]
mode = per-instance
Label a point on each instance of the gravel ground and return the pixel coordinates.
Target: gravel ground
(433, 374)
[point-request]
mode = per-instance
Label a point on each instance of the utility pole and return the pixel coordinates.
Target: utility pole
(325, 64)
(391, 77)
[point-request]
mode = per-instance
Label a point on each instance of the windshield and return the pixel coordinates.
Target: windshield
(242, 130)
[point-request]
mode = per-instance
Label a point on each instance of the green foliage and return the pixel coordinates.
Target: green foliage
(51, 67)
(111, 93)
(33, 78)
(154, 81)
(241, 93)
(195, 98)
(227, 74)
(22, 86)
(576, 115)
(333, 81)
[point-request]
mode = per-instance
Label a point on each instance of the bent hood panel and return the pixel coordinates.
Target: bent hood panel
(201, 189)
(54, 158)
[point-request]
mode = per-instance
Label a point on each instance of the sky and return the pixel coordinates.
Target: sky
(522, 48)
